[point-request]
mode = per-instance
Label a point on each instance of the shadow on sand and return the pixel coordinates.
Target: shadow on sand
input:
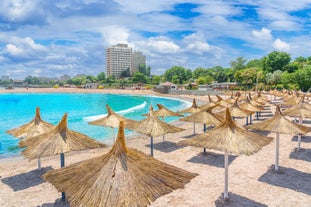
(165, 146)
(57, 203)
(189, 136)
(302, 154)
(236, 201)
(26, 180)
(288, 178)
(306, 139)
(211, 158)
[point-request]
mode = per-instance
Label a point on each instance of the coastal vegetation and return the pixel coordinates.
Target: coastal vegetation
(274, 71)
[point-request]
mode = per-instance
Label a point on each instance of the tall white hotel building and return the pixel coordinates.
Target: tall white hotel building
(120, 57)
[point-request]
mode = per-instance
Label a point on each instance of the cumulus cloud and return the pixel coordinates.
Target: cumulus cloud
(264, 34)
(159, 44)
(114, 34)
(25, 49)
(280, 45)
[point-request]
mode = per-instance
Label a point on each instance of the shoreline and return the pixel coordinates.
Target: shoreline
(251, 182)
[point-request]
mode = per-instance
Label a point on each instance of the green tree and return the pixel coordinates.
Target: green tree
(199, 72)
(254, 64)
(101, 76)
(144, 69)
(91, 79)
(156, 79)
(238, 63)
(275, 61)
(303, 78)
(274, 78)
(246, 77)
(139, 78)
(125, 73)
(178, 73)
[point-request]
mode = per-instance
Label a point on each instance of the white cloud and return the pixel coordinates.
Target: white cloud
(280, 45)
(285, 25)
(114, 34)
(25, 48)
(264, 34)
(159, 44)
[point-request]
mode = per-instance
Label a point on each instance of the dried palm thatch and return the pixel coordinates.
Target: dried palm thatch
(164, 112)
(58, 140)
(248, 106)
(205, 117)
(122, 177)
(192, 109)
(33, 128)
(112, 120)
(292, 101)
(280, 125)
(229, 138)
(152, 126)
(301, 109)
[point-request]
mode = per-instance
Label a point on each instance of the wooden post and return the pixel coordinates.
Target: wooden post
(62, 164)
(277, 142)
(226, 175)
(151, 146)
(39, 163)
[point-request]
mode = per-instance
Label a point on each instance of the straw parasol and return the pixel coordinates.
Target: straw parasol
(250, 107)
(57, 141)
(192, 109)
(152, 126)
(122, 177)
(205, 117)
(229, 138)
(237, 111)
(279, 125)
(35, 127)
(302, 111)
(165, 112)
(112, 120)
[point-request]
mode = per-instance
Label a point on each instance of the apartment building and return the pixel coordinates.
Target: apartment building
(120, 57)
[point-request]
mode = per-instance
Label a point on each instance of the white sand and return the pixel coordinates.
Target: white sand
(250, 181)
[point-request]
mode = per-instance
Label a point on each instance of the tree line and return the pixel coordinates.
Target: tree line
(274, 71)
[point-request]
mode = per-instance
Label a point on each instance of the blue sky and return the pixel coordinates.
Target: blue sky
(55, 37)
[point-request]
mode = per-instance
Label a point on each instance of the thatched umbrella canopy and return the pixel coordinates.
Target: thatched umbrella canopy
(279, 125)
(164, 112)
(300, 110)
(250, 107)
(33, 128)
(57, 141)
(152, 126)
(229, 138)
(205, 117)
(237, 111)
(112, 120)
(192, 109)
(122, 177)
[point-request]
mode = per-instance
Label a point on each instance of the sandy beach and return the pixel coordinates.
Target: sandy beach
(251, 180)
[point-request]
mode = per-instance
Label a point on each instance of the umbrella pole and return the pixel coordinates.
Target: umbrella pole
(246, 120)
(39, 163)
(257, 115)
(151, 146)
(226, 175)
(299, 135)
(251, 119)
(62, 164)
(204, 129)
(163, 134)
(113, 137)
(193, 127)
(277, 142)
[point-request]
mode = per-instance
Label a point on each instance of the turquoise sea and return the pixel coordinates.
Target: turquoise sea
(18, 109)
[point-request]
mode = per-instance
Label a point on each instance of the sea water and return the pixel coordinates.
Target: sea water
(18, 109)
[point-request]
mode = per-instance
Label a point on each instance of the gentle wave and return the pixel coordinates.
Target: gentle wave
(122, 112)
